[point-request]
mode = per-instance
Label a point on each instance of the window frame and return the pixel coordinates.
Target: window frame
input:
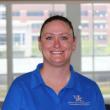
(76, 22)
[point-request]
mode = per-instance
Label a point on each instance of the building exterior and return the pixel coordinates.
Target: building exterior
(95, 25)
(26, 23)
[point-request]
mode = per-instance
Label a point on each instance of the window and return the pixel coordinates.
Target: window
(24, 20)
(100, 25)
(84, 12)
(2, 39)
(95, 44)
(85, 25)
(3, 49)
(36, 26)
(35, 13)
(16, 13)
(18, 39)
(100, 12)
(26, 29)
(2, 12)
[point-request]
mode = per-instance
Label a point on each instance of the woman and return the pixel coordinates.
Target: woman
(54, 85)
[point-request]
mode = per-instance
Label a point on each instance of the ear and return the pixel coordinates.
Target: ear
(74, 44)
(39, 43)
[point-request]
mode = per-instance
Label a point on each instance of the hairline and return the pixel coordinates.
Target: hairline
(57, 18)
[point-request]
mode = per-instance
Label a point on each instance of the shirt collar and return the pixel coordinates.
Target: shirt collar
(73, 83)
(36, 77)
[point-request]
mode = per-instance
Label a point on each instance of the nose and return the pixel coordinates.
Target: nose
(57, 42)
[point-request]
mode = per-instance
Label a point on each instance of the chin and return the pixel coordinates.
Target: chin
(58, 64)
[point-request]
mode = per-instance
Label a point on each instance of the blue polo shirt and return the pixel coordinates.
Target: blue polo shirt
(29, 92)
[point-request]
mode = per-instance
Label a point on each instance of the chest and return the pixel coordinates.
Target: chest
(47, 99)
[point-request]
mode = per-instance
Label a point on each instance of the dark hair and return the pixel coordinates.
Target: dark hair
(57, 17)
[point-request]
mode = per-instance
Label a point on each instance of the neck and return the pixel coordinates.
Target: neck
(56, 77)
(55, 71)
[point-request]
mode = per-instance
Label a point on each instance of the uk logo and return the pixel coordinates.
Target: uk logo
(78, 100)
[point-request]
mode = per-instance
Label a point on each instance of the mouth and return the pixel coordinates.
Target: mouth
(57, 52)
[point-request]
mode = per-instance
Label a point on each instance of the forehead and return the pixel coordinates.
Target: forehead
(57, 25)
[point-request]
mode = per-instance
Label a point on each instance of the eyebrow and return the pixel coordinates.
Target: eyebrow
(58, 33)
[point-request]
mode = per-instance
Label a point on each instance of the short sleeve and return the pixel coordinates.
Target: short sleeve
(13, 98)
(100, 105)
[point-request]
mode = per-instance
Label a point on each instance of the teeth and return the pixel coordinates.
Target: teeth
(57, 52)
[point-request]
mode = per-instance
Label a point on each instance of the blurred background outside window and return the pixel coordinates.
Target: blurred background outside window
(95, 44)
(26, 23)
(3, 55)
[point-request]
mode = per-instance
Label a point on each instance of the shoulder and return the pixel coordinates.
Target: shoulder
(90, 90)
(88, 86)
(85, 82)
(23, 80)
(16, 91)
(24, 77)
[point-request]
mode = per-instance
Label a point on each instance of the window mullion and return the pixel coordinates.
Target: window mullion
(9, 44)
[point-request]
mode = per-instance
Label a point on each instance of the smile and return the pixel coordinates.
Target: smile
(57, 52)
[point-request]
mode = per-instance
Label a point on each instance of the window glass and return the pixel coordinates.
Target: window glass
(3, 59)
(26, 22)
(95, 37)
(95, 43)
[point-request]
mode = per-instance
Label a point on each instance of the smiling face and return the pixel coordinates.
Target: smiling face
(57, 43)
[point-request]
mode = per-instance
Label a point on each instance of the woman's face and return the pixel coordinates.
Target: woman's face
(57, 43)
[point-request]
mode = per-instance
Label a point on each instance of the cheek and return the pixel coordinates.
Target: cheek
(73, 46)
(69, 46)
(45, 47)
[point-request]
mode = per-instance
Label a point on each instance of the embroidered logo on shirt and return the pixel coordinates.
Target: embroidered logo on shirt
(78, 100)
